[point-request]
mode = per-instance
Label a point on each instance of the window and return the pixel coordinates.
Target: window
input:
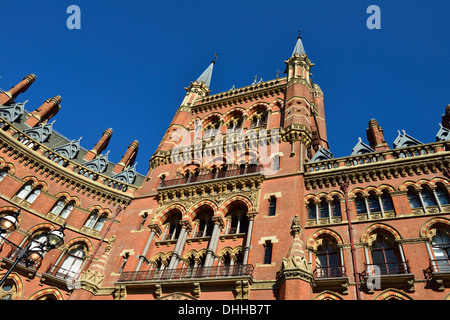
(324, 211)
(8, 291)
(442, 195)
(441, 249)
(268, 252)
(3, 174)
(327, 260)
(413, 198)
(311, 210)
(237, 220)
(276, 162)
(385, 255)
(62, 209)
(259, 119)
(336, 207)
(374, 204)
(428, 197)
(72, 263)
(360, 204)
(124, 262)
(272, 205)
(24, 191)
(386, 201)
(144, 218)
(95, 221)
(172, 226)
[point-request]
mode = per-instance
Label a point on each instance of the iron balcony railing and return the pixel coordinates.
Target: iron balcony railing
(329, 272)
(212, 176)
(440, 265)
(188, 273)
(387, 268)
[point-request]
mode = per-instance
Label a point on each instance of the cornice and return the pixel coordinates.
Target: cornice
(38, 163)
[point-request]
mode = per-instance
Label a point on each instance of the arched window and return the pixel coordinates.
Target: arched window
(234, 124)
(374, 204)
(324, 210)
(205, 225)
(311, 208)
(237, 220)
(360, 204)
(442, 194)
(33, 195)
(62, 209)
(172, 226)
(25, 191)
(336, 207)
(386, 255)
(441, 249)
(259, 119)
(327, 259)
(413, 198)
(8, 291)
(428, 197)
(386, 201)
(72, 263)
(95, 221)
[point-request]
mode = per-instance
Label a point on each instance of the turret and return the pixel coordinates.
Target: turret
(22, 86)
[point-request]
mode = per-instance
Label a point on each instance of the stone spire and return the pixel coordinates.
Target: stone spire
(205, 77)
(299, 49)
(295, 275)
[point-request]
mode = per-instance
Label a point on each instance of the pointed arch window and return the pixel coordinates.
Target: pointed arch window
(374, 204)
(61, 208)
(324, 209)
(328, 263)
(386, 201)
(386, 255)
(311, 208)
(72, 263)
(441, 249)
(336, 207)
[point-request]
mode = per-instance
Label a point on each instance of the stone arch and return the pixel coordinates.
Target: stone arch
(18, 283)
(365, 237)
(81, 241)
(47, 291)
(190, 215)
(228, 204)
(328, 295)
(392, 294)
(426, 229)
(163, 215)
(312, 243)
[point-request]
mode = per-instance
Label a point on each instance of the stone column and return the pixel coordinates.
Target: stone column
(185, 228)
(251, 217)
(210, 252)
(155, 230)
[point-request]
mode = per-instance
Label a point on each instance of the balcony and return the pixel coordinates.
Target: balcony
(330, 278)
(187, 274)
(384, 275)
(220, 174)
(438, 273)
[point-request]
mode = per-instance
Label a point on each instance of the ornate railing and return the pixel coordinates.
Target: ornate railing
(387, 268)
(211, 176)
(329, 272)
(188, 273)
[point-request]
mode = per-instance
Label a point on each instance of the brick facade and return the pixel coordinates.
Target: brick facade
(242, 200)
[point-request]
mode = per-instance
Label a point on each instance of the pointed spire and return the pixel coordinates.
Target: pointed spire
(205, 77)
(299, 49)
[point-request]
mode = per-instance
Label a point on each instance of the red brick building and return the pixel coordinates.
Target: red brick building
(243, 199)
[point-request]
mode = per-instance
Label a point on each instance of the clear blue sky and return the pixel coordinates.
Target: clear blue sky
(129, 64)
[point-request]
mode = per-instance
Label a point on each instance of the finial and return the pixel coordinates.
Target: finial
(215, 58)
(299, 36)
